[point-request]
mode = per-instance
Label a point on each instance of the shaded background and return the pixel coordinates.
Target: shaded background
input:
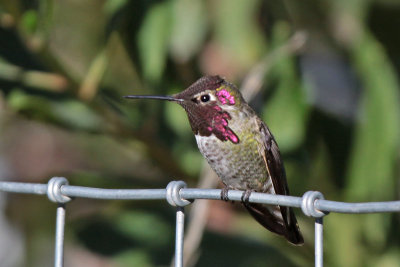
(322, 74)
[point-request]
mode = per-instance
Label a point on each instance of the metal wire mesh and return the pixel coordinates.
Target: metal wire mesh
(312, 203)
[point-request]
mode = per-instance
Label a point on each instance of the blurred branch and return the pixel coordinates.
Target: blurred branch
(198, 218)
(37, 79)
(253, 81)
(90, 84)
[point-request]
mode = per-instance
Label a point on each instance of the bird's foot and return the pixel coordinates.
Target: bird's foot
(224, 194)
(246, 196)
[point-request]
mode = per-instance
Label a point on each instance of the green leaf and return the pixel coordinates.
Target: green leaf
(30, 21)
(189, 28)
(237, 32)
(145, 227)
(342, 240)
(134, 257)
(176, 118)
(371, 173)
(153, 39)
(287, 111)
(69, 113)
(76, 115)
(390, 258)
(190, 160)
(112, 6)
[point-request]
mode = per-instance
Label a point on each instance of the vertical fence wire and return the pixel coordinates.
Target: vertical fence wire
(59, 242)
(179, 235)
(54, 194)
(319, 242)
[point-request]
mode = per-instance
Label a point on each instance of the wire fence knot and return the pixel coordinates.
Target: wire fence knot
(54, 190)
(173, 194)
(308, 204)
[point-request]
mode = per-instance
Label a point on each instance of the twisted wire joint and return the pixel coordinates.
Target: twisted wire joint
(308, 204)
(173, 194)
(54, 190)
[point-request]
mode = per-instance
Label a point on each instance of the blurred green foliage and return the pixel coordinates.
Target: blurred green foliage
(332, 103)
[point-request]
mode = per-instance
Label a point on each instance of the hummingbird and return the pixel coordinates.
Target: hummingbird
(239, 147)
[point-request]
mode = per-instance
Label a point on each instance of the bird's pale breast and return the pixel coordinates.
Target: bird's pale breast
(240, 166)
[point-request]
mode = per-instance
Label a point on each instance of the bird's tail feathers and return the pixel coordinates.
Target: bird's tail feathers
(273, 218)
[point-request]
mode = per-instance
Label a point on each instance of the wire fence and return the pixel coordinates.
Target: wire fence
(312, 203)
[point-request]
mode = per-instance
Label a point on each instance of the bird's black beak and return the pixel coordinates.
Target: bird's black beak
(158, 97)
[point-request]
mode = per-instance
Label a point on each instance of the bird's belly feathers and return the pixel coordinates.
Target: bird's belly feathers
(240, 166)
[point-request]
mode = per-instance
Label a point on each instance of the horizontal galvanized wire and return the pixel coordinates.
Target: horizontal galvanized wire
(194, 193)
(312, 203)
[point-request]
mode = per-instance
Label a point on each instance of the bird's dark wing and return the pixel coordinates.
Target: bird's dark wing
(278, 219)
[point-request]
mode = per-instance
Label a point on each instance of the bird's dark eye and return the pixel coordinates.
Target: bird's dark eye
(205, 98)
